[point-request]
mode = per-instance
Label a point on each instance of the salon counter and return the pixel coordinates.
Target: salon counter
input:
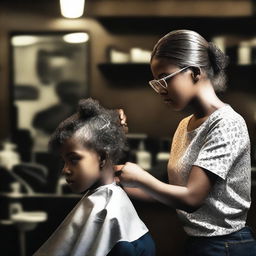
(56, 207)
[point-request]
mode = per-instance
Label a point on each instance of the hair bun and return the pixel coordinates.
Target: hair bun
(218, 59)
(88, 108)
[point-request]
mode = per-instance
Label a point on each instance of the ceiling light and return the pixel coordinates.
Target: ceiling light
(23, 40)
(72, 8)
(76, 38)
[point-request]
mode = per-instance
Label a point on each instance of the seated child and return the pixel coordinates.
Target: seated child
(104, 222)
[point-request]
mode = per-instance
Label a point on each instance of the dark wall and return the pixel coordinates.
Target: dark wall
(138, 101)
(145, 110)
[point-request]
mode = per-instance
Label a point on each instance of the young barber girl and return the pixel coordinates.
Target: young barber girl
(209, 166)
(104, 222)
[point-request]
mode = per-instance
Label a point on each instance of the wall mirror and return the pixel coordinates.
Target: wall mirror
(49, 74)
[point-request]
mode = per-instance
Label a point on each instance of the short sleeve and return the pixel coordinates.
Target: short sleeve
(225, 141)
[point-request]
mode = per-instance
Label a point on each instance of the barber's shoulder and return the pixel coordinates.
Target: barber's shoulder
(185, 120)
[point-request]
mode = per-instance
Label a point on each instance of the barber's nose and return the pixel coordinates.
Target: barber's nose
(162, 91)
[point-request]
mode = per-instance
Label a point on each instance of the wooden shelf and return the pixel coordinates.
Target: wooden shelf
(239, 76)
(207, 26)
(126, 73)
(242, 77)
(132, 74)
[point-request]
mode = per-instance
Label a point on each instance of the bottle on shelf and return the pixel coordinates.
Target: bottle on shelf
(162, 157)
(139, 154)
(244, 53)
(143, 157)
(9, 156)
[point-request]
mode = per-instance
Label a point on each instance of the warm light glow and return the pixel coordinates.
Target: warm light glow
(76, 38)
(23, 40)
(72, 8)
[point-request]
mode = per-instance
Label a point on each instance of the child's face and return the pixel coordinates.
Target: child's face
(82, 165)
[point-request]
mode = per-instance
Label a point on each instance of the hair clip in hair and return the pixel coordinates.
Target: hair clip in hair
(106, 125)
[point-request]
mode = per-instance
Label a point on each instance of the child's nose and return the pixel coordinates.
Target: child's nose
(65, 170)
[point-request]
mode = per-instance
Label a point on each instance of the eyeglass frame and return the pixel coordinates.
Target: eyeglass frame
(159, 84)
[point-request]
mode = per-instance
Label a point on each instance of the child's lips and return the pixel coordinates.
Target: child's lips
(69, 181)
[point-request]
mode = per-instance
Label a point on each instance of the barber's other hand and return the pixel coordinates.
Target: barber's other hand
(123, 119)
(129, 175)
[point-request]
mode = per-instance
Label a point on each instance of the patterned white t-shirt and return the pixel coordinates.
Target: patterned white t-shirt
(220, 145)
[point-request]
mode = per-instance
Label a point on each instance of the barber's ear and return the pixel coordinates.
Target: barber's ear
(196, 72)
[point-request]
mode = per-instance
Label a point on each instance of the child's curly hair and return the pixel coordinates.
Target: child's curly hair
(96, 127)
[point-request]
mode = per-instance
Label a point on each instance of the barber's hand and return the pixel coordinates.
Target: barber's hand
(129, 175)
(123, 120)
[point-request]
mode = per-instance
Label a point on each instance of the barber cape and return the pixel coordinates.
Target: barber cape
(95, 225)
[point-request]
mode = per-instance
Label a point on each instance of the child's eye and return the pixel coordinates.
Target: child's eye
(74, 160)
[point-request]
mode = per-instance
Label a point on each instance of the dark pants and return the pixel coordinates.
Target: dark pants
(239, 243)
(144, 246)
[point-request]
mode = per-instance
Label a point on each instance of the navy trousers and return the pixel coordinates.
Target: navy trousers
(144, 246)
(240, 243)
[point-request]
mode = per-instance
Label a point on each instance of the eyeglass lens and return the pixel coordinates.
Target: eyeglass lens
(157, 84)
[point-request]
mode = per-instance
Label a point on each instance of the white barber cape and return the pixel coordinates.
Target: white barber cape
(95, 225)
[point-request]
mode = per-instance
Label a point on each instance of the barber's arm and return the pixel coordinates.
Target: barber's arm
(188, 198)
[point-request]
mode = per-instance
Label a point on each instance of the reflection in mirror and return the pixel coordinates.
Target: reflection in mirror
(49, 76)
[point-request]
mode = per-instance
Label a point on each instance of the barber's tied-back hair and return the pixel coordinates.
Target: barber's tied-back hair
(188, 48)
(95, 127)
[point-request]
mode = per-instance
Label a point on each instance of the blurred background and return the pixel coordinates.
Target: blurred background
(48, 62)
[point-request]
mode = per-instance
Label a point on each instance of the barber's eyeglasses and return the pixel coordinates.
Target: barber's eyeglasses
(156, 84)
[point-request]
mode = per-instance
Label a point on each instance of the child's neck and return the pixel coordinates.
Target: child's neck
(107, 176)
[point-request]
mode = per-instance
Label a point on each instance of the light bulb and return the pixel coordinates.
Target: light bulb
(76, 38)
(72, 8)
(23, 40)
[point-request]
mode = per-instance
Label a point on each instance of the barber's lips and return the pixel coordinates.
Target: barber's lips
(167, 100)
